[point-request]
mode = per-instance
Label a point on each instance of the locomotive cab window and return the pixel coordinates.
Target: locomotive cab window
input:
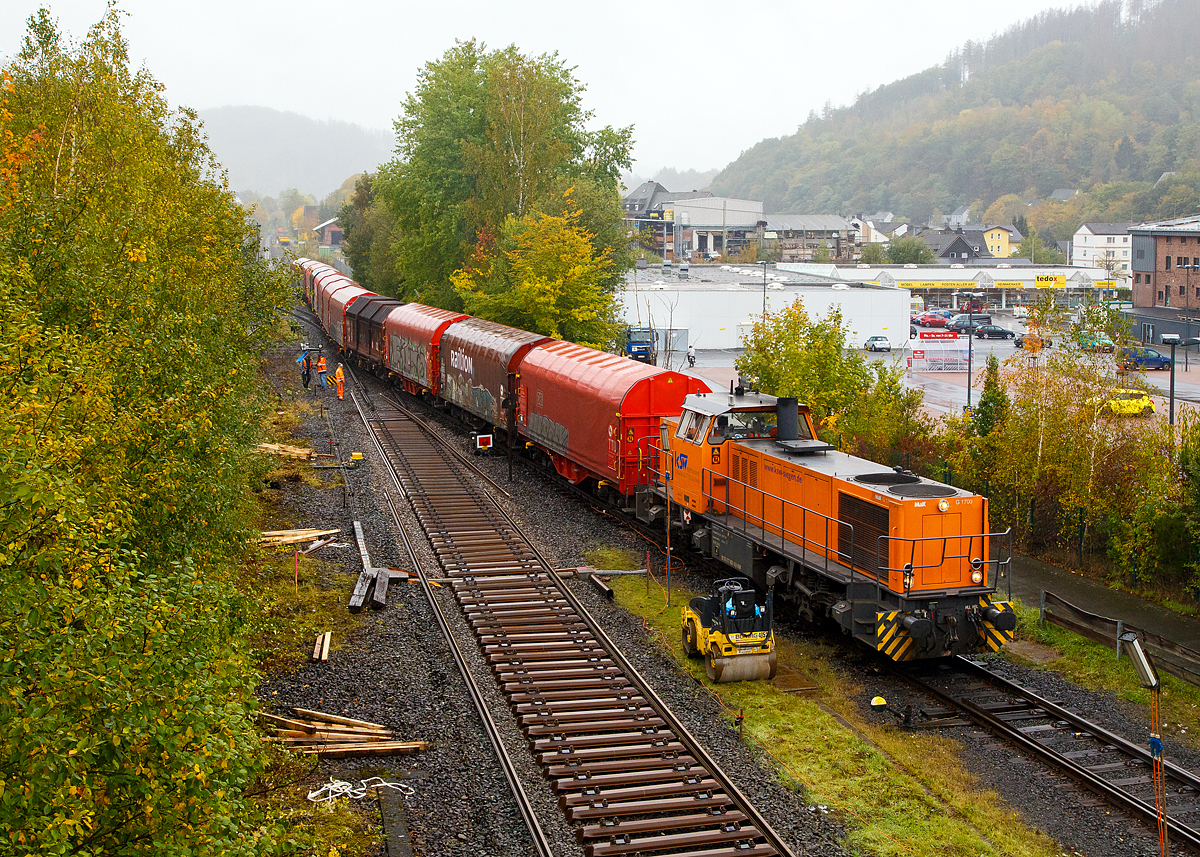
(749, 424)
(693, 427)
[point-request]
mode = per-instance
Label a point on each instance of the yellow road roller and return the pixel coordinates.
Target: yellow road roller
(731, 630)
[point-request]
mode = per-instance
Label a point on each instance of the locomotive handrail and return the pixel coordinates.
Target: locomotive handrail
(998, 567)
(707, 491)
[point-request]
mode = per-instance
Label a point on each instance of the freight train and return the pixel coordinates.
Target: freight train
(903, 564)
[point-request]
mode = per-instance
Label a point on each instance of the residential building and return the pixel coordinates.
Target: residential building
(329, 234)
(956, 246)
(1104, 245)
(959, 217)
(1166, 263)
(796, 237)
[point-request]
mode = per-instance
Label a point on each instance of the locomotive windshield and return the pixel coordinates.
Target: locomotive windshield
(747, 424)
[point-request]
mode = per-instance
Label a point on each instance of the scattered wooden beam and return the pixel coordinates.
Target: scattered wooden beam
(317, 545)
(389, 748)
(291, 537)
(321, 647)
(336, 718)
(362, 588)
(288, 723)
(285, 450)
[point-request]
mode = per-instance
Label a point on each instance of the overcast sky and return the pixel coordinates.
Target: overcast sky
(700, 81)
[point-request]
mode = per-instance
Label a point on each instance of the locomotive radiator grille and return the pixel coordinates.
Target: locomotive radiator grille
(869, 522)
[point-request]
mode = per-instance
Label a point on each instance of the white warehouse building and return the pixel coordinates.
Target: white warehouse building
(718, 305)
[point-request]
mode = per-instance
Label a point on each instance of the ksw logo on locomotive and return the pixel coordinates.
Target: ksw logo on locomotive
(462, 362)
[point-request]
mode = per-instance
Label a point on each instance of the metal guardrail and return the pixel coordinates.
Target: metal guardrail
(1169, 656)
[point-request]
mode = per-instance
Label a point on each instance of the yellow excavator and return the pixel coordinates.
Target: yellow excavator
(731, 630)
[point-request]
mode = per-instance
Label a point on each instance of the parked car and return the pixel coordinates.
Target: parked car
(976, 317)
(912, 331)
(877, 343)
(993, 331)
(932, 319)
(1129, 403)
(1143, 358)
(1031, 341)
(1094, 340)
(961, 326)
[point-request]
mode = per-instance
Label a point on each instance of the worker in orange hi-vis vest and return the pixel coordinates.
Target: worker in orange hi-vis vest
(340, 377)
(321, 371)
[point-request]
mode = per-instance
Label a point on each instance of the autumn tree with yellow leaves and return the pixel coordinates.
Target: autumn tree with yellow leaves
(134, 308)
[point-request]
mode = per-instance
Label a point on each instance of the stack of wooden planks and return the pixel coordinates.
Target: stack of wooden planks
(275, 538)
(331, 736)
(286, 450)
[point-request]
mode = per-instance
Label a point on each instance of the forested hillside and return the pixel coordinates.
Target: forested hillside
(1102, 99)
(267, 150)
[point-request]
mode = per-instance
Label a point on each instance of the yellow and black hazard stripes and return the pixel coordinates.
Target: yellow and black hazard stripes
(993, 637)
(892, 638)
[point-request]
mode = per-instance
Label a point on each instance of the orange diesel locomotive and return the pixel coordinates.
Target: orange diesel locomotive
(901, 563)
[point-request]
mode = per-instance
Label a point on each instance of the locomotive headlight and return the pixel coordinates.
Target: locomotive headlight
(977, 576)
(943, 505)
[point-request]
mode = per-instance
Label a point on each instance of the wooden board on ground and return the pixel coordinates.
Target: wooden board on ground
(362, 588)
(790, 681)
(395, 822)
(384, 748)
(309, 714)
(291, 537)
(285, 450)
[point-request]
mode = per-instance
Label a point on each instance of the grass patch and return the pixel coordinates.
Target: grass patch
(615, 559)
(338, 828)
(289, 615)
(899, 793)
(1096, 667)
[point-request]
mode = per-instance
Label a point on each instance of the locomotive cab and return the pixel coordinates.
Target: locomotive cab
(698, 448)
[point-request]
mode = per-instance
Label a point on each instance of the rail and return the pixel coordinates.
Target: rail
(613, 751)
(524, 806)
(1099, 760)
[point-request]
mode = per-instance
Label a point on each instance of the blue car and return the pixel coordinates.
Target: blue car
(1143, 358)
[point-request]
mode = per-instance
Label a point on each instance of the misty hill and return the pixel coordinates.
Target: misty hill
(1067, 99)
(268, 151)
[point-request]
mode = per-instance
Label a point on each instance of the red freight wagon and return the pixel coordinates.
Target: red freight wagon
(596, 413)
(339, 301)
(414, 333)
(364, 327)
(326, 282)
(477, 358)
(309, 269)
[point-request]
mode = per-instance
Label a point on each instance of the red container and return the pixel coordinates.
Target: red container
(413, 333)
(598, 414)
(339, 300)
(325, 283)
(477, 357)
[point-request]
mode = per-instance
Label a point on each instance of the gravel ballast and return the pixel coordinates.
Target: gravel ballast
(397, 670)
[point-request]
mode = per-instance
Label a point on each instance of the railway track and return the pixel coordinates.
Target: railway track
(628, 777)
(1116, 770)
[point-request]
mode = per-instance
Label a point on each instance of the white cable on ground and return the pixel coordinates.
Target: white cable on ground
(340, 788)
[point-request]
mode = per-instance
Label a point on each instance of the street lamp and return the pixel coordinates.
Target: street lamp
(1173, 339)
(971, 298)
(764, 264)
(1187, 304)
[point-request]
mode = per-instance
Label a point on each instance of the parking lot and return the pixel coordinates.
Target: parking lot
(946, 392)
